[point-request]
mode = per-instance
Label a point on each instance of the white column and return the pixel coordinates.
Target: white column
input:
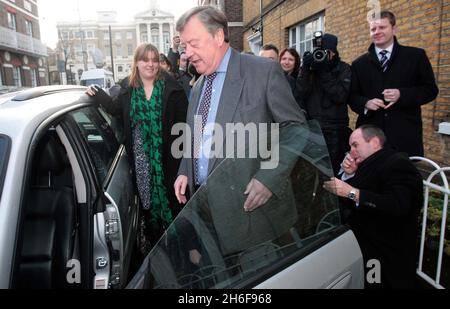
(138, 34)
(161, 39)
(172, 32)
(149, 33)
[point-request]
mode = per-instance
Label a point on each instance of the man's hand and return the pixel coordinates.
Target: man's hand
(307, 61)
(337, 187)
(257, 195)
(195, 257)
(180, 189)
(350, 165)
(176, 43)
(392, 96)
(375, 104)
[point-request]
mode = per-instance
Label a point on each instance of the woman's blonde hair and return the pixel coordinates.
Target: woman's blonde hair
(141, 53)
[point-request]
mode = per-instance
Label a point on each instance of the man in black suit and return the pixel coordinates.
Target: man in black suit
(382, 198)
(390, 83)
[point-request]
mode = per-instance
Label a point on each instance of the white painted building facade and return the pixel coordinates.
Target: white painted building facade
(78, 40)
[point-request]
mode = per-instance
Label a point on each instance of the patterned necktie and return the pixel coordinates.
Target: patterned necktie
(203, 111)
(384, 60)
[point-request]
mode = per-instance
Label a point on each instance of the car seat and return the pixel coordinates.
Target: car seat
(50, 222)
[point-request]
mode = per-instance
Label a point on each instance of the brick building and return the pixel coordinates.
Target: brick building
(22, 55)
(233, 11)
(424, 24)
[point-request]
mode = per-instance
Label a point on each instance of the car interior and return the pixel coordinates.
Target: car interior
(48, 233)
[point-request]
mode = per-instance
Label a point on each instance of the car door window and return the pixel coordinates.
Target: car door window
(4, 150)
(214, 243)
(114, 123)
(100, 139)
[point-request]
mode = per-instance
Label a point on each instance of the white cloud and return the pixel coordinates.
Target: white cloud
(51, 12)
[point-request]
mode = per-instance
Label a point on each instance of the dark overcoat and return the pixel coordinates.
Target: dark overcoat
(410, 71)
(386, 220)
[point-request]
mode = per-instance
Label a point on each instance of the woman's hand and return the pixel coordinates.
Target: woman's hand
(92, 90)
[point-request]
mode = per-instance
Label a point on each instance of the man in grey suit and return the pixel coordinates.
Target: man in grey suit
(237, 88)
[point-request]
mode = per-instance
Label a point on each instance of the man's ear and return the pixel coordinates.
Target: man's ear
(395, 30)
(376, 144)
(220, 37)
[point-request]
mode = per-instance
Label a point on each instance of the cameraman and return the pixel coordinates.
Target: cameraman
(323, 88)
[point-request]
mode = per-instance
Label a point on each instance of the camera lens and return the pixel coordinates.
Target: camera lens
(319, 55)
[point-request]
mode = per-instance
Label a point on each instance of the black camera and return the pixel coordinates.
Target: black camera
(319, 54)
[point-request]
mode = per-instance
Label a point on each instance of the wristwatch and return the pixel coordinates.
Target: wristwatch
(352, 194)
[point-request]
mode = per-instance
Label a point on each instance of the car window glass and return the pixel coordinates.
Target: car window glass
(100, 139)
(214, 243)
(4, 149)
(114, 123)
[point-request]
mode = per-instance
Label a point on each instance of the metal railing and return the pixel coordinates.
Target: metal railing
(443, 189)
(21, 42)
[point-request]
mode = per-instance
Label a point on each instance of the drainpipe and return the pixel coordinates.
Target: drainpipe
(261, 27)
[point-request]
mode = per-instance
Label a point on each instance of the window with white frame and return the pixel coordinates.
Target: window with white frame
(34, 81)
(12, 21)
(17, 76)
(106, 35)
(301, 35)
(27, 5)
(155, 38)
(65, 35)
(129, 35)
(166, 41)
(81, 34)
(118, 36)
(118, 50)
(255, 42)
(29, 27)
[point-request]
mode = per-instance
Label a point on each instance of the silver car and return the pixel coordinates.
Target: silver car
(69, 213)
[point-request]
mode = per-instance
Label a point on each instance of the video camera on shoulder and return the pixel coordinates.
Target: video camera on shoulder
(319, 54)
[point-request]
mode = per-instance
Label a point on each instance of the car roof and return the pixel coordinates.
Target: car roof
(26, 110)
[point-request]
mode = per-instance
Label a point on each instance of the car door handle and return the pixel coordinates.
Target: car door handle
(343, 282)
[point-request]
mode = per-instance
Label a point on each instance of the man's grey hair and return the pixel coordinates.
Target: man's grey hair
(213, 19)
(371, 131)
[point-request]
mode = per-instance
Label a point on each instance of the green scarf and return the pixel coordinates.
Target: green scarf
(148, 114)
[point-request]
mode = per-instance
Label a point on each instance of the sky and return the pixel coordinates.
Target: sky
(51, 11)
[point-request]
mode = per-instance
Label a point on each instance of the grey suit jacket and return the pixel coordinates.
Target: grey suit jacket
(255, 91)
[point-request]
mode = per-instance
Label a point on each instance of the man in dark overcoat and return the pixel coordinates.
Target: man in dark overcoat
(390, 83)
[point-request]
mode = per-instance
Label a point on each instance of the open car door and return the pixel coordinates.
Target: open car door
(296, 240)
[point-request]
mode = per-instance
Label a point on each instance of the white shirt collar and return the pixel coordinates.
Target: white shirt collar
(389, 50)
